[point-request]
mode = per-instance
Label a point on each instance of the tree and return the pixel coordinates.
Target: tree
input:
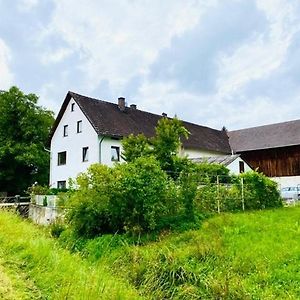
(135, 146)
(167, 142)
(24, 131)
(164, 146)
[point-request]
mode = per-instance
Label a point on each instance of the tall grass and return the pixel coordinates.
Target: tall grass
(232, 256)
(57, 274)
(252, 255)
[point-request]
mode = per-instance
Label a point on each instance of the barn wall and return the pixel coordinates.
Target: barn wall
(275, 162)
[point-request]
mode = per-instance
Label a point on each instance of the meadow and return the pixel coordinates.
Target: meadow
(252, 255)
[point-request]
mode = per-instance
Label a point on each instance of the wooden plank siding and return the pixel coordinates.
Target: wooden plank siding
(275, 162)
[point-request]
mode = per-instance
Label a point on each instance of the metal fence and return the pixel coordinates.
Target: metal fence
(16, 203)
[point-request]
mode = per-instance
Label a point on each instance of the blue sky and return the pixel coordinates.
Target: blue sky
(228, 62)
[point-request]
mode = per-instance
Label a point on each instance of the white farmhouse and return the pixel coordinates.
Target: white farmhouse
(88, 131)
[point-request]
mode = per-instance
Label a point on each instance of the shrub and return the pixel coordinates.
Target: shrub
(139, 200)
(128, 197)
(88, 206)
(259, 191)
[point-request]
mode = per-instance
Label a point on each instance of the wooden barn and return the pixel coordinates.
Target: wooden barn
(272, 149)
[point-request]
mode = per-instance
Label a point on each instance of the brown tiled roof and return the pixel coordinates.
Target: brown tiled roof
(265, 137)
(107, 119)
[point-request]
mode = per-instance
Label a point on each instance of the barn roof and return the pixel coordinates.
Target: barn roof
(107, 119)
(265, 137)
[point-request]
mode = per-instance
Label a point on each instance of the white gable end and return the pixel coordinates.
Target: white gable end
(73, 133)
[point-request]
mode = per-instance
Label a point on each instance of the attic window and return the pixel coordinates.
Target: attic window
(72, 106)
(79, 126)
(115, 153)
(242, 167)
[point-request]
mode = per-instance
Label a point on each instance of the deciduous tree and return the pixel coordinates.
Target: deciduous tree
(24, 130)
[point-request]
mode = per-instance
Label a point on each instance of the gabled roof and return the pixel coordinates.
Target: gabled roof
(265, 137)
(222, 160)
(108, 120)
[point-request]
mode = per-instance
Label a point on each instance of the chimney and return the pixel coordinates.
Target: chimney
(121, 103)
(164, 115)
(133, 106)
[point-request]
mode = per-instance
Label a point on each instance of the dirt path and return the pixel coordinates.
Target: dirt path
(14, 285)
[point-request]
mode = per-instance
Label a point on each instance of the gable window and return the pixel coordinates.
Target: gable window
(115, 153)
(61, 184)
(65, 130)
(242, 167)
(79, 126)
(72, 106)
(61, 158)
(85, 153)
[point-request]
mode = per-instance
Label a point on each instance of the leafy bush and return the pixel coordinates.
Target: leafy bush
(139, 200)
(88, 206)
(259, 191)
(128, 197)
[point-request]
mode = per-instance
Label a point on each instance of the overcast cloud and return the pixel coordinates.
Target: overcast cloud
(229, 62)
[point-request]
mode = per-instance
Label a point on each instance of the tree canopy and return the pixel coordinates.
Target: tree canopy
(164, 146)
(24, 131)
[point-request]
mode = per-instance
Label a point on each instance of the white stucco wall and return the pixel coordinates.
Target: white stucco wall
(287, 181)
(105, 151)
(234, 167)
(72, 144)
(196, 153)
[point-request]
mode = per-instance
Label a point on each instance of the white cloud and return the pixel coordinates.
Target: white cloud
(27, 5)
(55, 56)
(264, 52)
(118, 40)
(6, 76)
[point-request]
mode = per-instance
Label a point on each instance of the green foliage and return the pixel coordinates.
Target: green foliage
(249, 255)
(38, 190)
(167, 142)
(259, 191)
(45, 201)
(88, 206)
(128, 197)
(140, 200)
(50, 271)
(24, 131)
(135, 146)
(208, 173)
(164, 146)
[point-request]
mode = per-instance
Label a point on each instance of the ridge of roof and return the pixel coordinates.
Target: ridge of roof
(277, 135)
(107, 119)
(266, 125)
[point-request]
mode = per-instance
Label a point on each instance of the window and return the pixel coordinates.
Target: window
(62, 158)
(85, 153)
(242, 167)
(61, 184)
(115, 153)
(72, 106)
(65, 130)
(79, 126)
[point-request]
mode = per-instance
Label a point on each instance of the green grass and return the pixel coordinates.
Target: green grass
(252, 255)
(35, 267)
(232, 256)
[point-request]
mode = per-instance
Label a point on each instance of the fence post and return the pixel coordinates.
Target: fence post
(17, 199)
(243, 197)
(218, 194)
